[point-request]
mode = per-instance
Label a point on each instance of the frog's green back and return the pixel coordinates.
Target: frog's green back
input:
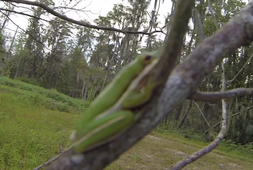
(111, 94)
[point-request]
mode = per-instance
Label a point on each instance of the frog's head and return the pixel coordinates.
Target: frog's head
(148, 57)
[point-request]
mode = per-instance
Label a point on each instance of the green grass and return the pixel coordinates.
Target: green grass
(226, 147)
(35, 124)
(36, 95)
(161, 151)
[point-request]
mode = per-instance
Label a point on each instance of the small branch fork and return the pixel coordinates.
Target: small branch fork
(219, 138)
(214, 96)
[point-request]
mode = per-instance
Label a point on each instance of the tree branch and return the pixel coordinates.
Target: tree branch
(174, 41)
(82, 23)
(214, 96)
(200, 30)
(187, 76)
(22, 13)
(25, 31)
(185, 115)
(230, 81)
(219, 138)
(233, 115)
(202, 114)
(51, 160)
(101, 156)
(207, 149)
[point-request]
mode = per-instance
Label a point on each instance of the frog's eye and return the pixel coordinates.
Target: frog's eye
(148, 57)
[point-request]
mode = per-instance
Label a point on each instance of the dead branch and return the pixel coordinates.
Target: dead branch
(230, 81)
(215, 96)
(233, 115)
(25, 31)
(187, 76)
(219, 138)
(200, 30)
(22, 13)
(185, 115)
(82, 23)
(202, 114)
(50, 161)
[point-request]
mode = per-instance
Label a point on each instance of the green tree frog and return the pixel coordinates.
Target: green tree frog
(110, 113)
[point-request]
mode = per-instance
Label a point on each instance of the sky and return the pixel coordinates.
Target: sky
(93, 8)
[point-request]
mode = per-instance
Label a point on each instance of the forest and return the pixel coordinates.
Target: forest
(79, 58)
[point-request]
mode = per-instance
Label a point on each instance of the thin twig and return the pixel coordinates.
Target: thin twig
(214, 18)
(233, 115)
(202, 114)
(22, 13)
(25, 31)
(200, 30)
(230, 81)
(185, 115)
(51, 160)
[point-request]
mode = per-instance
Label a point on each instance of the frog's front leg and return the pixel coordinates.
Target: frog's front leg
(100, 130)
(139, 97)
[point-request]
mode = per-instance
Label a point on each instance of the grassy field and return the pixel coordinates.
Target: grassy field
(160, 152)
(35, 125)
